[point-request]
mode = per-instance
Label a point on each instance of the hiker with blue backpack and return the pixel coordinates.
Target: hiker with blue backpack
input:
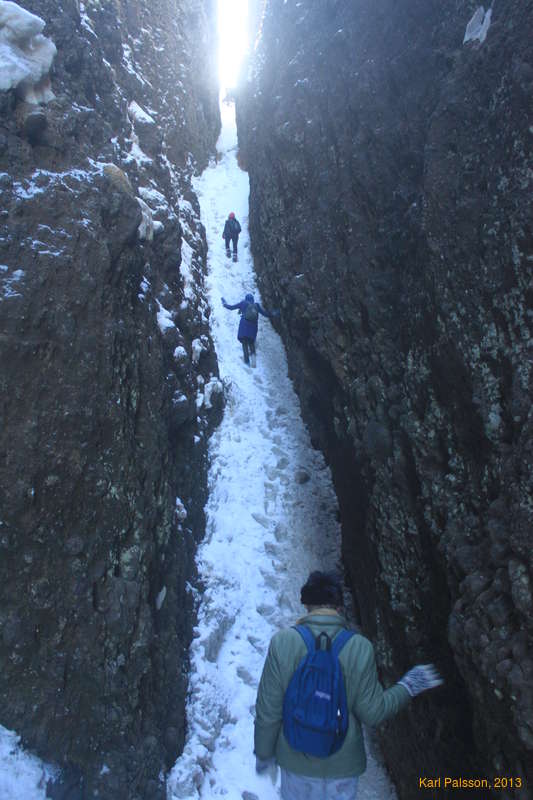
(318, 687)
(247, 333)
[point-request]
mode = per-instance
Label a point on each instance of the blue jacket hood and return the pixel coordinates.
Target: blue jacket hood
(249, 298)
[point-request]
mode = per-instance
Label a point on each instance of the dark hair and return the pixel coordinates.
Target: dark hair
(322, 589)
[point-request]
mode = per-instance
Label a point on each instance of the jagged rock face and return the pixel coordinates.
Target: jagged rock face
(390, 171)
(109, 388)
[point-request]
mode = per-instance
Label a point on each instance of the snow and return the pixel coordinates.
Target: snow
(181, 511)
(213, 386)
(81, 109)
(136, 153)
(43, 179)
(25, 54)
(190, 286)
(153, 197)
(7, 289)
(128, 61)
(265, 531)
(180, 353)
(197, 349)
(22, 775)
(160, 599)
(478, 26)
(146, 225)
(164, 318)
(139, 114)
(144, 287)
(86, 21)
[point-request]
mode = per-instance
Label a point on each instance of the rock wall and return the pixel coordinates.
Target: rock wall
(390, 171)
(109, 387)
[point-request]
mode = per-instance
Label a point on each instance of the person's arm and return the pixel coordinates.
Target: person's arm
(238, 226)
(266, 313)
(269, 706)
(374, 704)
(229, 306)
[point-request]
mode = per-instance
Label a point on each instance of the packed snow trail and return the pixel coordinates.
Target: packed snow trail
(271, 519)
(23, 776)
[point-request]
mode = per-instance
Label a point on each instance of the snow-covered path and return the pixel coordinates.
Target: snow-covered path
(271, 519)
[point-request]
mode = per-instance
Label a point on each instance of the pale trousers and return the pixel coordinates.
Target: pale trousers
(300, 787)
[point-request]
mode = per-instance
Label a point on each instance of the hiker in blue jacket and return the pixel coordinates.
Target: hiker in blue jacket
(306, 726)
(247, 333)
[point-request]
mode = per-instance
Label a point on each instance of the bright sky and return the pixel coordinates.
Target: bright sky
(233, 39)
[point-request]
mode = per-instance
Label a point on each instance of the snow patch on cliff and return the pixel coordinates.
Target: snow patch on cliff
(25, 54)
(7, 288)
(478, 26)
(139, 114)
(145, 231)
(164, 318)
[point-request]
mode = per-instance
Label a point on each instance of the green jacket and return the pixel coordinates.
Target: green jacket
(368, 702)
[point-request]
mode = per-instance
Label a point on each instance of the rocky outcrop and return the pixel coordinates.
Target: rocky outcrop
(109, 388)
(390, 172)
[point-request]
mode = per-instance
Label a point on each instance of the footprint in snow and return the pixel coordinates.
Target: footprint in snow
(271, 548)
(280, 532)
(277, 451)
(271, 487)
(269, 580)
(246, 677)
(261, 519)
(265, 610)
(256, 644)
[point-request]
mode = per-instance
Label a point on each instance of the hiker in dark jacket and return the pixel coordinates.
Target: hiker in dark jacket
(308, 777)
(232, 229)
(247, 333)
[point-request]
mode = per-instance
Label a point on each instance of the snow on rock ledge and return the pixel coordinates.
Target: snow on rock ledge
(25, 54)
(478, 26)
(146, 227)
(139, 114)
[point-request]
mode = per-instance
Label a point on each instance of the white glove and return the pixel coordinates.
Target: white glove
(421, 678)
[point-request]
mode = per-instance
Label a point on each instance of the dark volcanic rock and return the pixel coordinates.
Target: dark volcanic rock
(390, 170)
(104, 350)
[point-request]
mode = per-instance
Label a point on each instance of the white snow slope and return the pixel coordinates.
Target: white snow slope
(266, 530)
(22, 775)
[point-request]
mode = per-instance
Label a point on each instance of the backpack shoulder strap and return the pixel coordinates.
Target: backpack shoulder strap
(340, 640)
(307, 636)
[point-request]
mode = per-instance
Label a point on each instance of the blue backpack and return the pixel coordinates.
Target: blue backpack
(250, 313)
(315, 712)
